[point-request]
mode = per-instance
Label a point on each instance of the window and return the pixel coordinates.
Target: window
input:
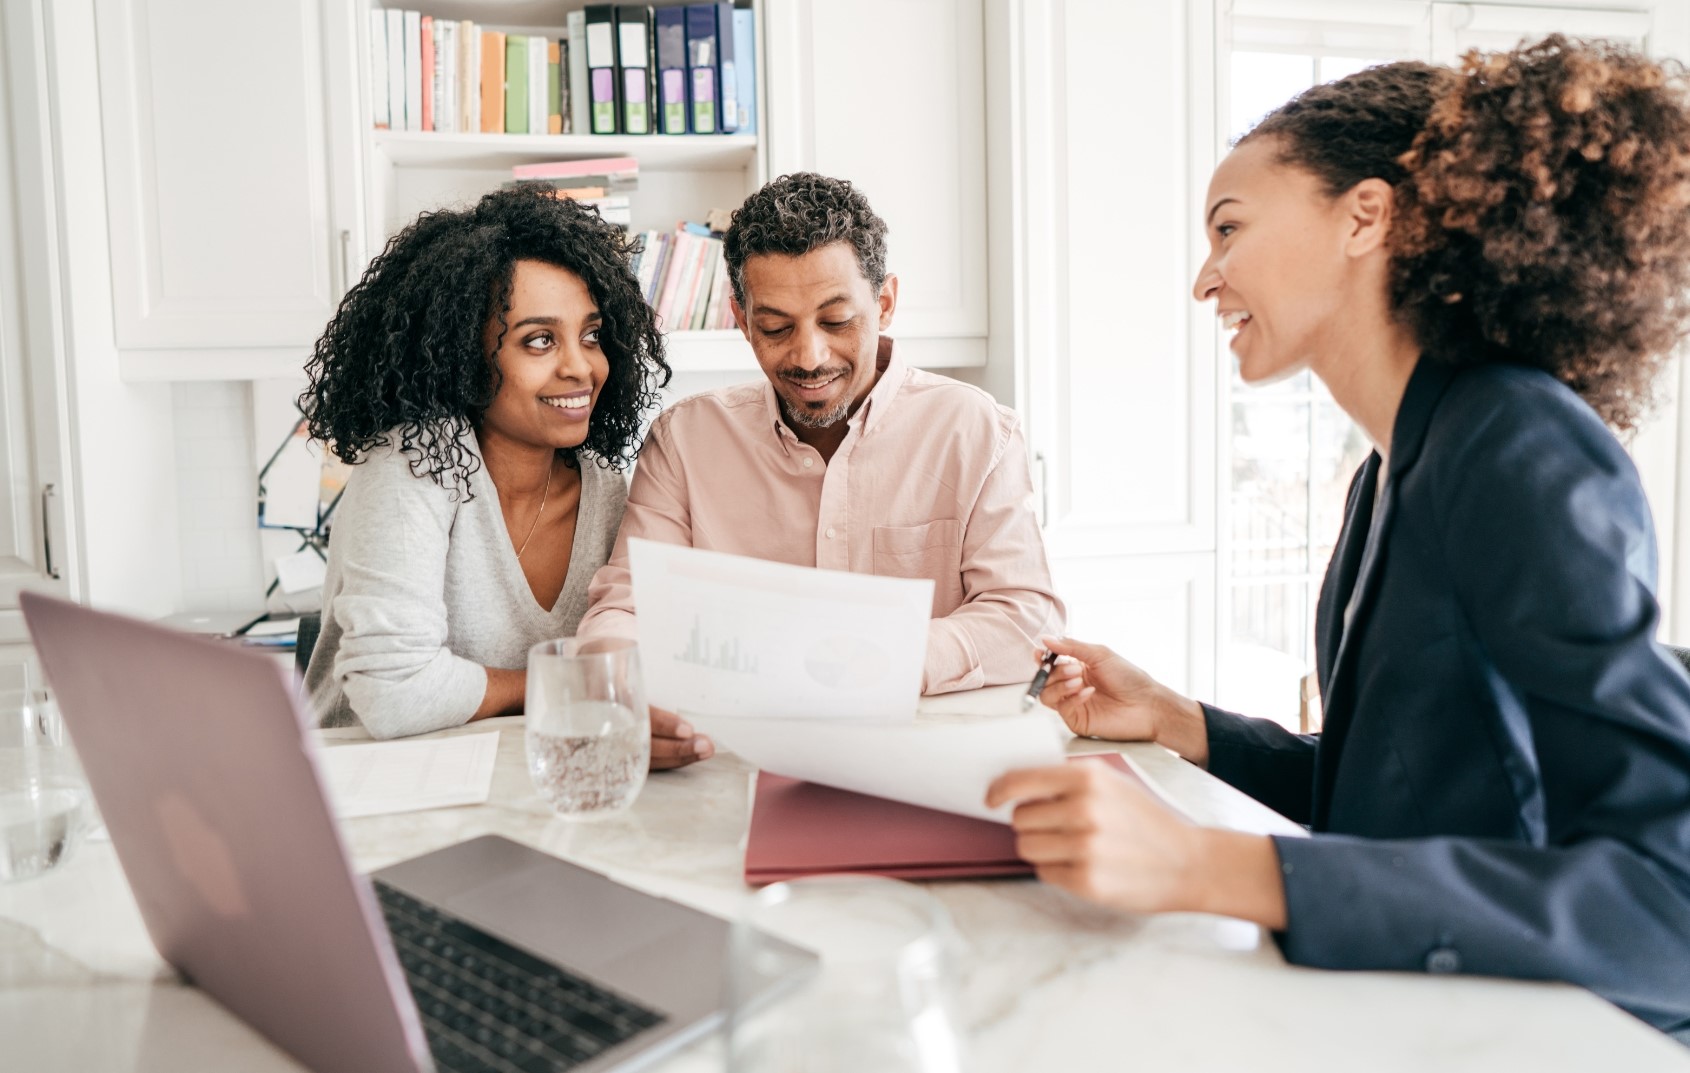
(1290, 451)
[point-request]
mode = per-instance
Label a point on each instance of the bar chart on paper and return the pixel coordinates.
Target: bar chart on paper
(727, 656)
(732, 636)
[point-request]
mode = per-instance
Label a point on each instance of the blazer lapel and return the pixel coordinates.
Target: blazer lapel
(1357, 565)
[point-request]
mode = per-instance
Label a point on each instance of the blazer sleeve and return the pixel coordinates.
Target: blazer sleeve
(1549, 546)
(1262, 758)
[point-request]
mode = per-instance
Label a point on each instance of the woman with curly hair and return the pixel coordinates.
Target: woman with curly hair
(1486, 267)
(486, 378)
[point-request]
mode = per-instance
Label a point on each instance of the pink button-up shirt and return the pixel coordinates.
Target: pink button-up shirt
(931, 481)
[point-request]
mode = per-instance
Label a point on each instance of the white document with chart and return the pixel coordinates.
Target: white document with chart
(729, 635)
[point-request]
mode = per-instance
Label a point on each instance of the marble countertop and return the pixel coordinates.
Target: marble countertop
(1049, 982)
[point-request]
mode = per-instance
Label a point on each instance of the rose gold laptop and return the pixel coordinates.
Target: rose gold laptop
(485, 955)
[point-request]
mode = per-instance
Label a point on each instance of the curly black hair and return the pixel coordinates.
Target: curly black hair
(1540, 205)
(797, 213)
(406, 354)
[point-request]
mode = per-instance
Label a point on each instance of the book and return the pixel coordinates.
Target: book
(563, 169)
(671, 33)
(395, 69)
(469, 76)
(445, 76)
(516, 83)
(680, 248)
(709, 253)
(565, 88)
(554, 108)
(378, 69)
(492, 82)
(745, 68)
(703, 92)
(601, 67)
(580, 121)
(536, 84)
(426, 87)
(727, 74)
(413, 76)
(635, 86)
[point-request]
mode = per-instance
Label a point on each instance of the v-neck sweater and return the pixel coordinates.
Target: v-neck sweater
(424, 591)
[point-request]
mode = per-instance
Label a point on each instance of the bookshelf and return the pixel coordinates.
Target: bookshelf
(681, 176)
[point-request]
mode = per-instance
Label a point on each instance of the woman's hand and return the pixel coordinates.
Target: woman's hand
(673, 743)
(1100, 695)
(1102, 835)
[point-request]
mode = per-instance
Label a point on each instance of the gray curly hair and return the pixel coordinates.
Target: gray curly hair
(797, 213)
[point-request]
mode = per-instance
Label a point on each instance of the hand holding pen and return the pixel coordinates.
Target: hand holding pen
(1101, 695)
(1047, 661)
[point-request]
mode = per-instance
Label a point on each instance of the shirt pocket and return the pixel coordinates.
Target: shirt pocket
(932, 551)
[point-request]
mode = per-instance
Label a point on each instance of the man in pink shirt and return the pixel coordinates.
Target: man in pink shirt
(843, 457)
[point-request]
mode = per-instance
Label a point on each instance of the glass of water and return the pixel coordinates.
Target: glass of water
(45, 807)
(883, 998)
(589, 731)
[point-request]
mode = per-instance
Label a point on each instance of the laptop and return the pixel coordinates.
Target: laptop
(486, 955)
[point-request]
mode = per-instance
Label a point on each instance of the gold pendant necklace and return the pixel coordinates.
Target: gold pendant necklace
(542, 510)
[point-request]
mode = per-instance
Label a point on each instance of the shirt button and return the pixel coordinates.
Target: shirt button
(808, 461)
(830, 532)
(1443, 960)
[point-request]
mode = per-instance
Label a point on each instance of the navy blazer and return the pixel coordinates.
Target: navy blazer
(1503, 782)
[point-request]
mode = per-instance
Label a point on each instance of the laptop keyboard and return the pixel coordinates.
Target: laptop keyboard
(488, 1007)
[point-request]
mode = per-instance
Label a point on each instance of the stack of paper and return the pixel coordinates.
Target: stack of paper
(404, 776)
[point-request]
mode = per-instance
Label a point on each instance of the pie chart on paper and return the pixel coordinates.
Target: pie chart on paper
(845, 662)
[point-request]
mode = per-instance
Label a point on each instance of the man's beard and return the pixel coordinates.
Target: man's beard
(804, 417)
(807, 418)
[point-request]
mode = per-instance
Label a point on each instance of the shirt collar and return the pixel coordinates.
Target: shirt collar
(891, 367)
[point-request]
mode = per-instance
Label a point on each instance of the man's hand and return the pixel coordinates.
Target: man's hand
(1100, 695)
(1097, 833)
(673, 743)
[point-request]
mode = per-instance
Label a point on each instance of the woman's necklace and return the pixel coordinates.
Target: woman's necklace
(542, 510)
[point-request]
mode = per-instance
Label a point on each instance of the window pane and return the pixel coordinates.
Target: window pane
(1261, 82)
(1339, 448)
(1270, 489)
(1333, 68)
(1267, 656)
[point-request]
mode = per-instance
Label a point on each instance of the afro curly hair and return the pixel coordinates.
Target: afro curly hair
(1541, 197)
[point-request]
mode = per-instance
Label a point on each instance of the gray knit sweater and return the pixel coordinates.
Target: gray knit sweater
(424, 590)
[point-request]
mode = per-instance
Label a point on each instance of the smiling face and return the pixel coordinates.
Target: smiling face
(1281, 251)
(550, 364)
(814, 323)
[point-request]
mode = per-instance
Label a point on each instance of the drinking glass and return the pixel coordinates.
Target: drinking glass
(588, 728)
(45, 807)
(883, 999)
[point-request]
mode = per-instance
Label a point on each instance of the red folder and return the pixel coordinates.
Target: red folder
(802, 829)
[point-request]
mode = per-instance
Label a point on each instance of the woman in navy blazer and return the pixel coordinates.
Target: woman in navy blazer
(1486, 267)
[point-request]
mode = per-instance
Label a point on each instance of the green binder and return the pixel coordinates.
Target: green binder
(516, 84)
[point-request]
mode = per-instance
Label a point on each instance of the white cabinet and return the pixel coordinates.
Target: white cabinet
(891, 94)
(33, 548)
(224, 197)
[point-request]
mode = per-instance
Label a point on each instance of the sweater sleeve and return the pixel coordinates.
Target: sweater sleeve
(1549, 548)
(390, 538)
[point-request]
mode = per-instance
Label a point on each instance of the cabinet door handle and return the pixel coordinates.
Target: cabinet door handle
(48, 491)
(345, 262)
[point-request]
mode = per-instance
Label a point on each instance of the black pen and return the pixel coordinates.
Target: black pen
(1037, 685)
